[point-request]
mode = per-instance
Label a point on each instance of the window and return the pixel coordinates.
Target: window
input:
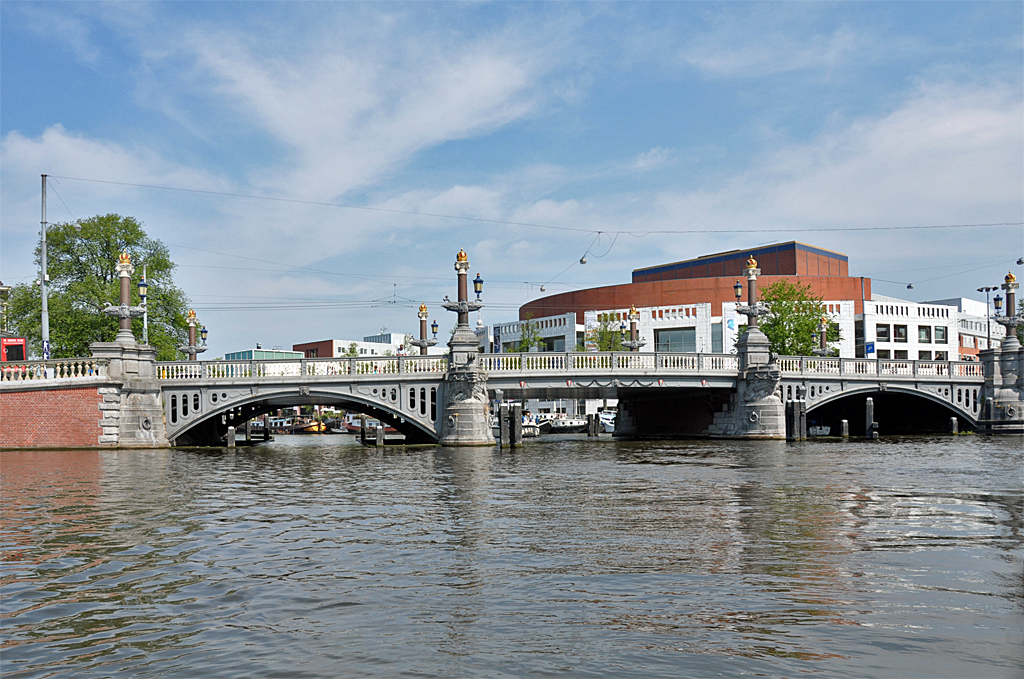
(716, 338)
(676, 339)
(900, 354)
(882, 332)
(899, 333)
(883, 354)
(940, 334)
(924, 334)
(924, 355)
(554, 344)
(941, 355)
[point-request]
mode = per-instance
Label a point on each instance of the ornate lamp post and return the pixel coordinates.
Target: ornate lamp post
(1010, 319)
(464, 422)
(124, 311)
(822, 335)
(433, 328)
(423, 342)
(634, 342)
(191, 348)
(752, 309)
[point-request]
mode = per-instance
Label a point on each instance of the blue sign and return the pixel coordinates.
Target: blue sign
(730, 324)
(869, 348)
(46, 350)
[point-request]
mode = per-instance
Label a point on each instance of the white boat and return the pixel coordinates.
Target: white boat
(818, 431)
(568, 425)
(530, 428)
(608, 420)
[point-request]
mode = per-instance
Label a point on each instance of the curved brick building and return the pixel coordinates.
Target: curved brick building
(710, 279)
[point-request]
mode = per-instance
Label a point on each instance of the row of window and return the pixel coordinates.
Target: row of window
(901, 355)
(899, 333)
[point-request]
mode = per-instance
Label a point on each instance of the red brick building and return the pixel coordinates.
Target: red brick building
(711, 278)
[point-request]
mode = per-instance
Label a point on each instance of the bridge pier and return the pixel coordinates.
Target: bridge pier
(755, 410)
(137, 419)
(1004, 389)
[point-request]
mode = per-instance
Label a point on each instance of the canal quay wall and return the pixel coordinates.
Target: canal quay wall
(109, 400)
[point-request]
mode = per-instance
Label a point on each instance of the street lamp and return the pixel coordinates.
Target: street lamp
(124, 311)
(433, 328)
(423, 342)
(738, 289)
(193, 347)
(634, 342)
(143, 295)
(998, 301)
(988, 322)
(478, 286)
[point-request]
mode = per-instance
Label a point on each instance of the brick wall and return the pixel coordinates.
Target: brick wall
(50, 418)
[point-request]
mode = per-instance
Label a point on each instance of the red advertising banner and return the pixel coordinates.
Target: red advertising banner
(12, 349)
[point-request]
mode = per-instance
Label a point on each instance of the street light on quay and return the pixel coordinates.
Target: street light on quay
(143, 296)
(124, 311)
(433, 328)
(988, 320)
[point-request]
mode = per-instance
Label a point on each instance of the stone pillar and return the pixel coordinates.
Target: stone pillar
(124, 311)
(141, 416)
(464, 421)
(1003, 393)
(755, 410)
(423, 342)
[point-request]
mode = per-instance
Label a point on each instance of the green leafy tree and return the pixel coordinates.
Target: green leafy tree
(529, 335)
(792, 319)
(82, 274)
(353, 350)
(607, 335)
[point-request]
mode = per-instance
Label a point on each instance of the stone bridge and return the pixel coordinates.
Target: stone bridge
(200, 399)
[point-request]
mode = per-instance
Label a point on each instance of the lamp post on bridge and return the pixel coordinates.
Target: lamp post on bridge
(988, 314)
(125, 312)
(464, 421)
(192, 348)
(822, 348)
(634, 342)
(1010, 320)
(423, 342)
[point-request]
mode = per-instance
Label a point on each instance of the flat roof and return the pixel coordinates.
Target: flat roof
(733, 254)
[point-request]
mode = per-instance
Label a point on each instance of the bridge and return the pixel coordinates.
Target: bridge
(444, 399)
(200, 399)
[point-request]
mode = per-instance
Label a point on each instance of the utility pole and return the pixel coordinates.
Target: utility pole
(145, 314)
(45, 315)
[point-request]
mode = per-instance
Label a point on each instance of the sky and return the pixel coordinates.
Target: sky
(323, 163)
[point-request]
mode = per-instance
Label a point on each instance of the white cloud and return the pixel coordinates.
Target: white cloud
(653, 159)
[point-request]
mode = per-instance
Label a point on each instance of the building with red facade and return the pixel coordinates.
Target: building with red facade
(711, 278)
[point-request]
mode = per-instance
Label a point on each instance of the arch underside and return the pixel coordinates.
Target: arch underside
(898, 408)
(209, 426)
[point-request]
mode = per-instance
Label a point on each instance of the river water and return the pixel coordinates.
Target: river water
(316, 557)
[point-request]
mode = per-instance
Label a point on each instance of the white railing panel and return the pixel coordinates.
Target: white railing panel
(59, 369)
(860, 366)
(679, 362)
(790, 364)
(426, 364)
(967, 369)
(932, 369)
(821, 366)
(896, 368)
(376, 366)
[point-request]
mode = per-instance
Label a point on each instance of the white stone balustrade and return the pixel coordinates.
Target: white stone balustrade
(61, 369)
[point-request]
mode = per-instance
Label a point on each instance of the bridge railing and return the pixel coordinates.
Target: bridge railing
(814, 365)
(607, 362)
(378, 365)
(60, 369)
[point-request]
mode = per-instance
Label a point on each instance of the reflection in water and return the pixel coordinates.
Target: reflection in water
(314, 556)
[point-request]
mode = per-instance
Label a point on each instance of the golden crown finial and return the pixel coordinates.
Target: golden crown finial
(751, 262)
(462, 256)
(125, 258)
(632, 310)
(1010, 278)
(191, 314)
(423, 308)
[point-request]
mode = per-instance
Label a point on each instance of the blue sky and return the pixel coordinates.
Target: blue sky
(714, 117)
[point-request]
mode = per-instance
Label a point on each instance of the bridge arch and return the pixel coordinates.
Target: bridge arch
(899, 409)
(220, 408)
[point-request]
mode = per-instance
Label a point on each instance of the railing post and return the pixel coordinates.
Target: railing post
(401, 365)
(302, 367)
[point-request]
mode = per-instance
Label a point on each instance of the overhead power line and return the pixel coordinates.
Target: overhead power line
(535, 224)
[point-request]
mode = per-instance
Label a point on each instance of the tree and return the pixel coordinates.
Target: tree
(529, 335)
(353, 350)
(607, 335)
(793, 316)
(82, 274)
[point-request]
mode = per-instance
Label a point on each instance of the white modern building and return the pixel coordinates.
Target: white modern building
(975, 329)
(898, 329)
